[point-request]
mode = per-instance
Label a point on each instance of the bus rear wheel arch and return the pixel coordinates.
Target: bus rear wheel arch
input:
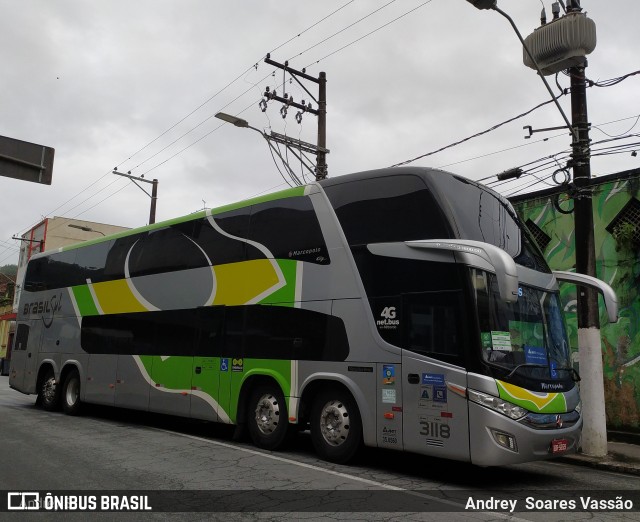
(70, 395)
(267, 416)
(336, 426)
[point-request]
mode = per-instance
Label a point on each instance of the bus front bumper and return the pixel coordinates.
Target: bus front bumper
(497, 440)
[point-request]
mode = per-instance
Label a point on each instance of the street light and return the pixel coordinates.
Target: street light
(295, 146)
(234, 120)
(244, 124)
(86, 229)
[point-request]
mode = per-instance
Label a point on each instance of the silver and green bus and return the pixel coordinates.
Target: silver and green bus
(401, 308)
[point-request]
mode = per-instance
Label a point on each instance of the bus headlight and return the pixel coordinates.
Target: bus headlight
(579, 407)
(497, 404)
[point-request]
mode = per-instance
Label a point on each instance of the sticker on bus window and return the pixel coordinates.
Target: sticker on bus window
(501, 341)
(535, 355)
(388, 374)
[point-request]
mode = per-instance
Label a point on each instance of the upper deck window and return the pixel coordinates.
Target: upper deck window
(480, 215)
(387, 209)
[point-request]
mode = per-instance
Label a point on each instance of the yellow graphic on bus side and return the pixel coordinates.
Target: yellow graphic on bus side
(532, 401)
(243, 282)
(115, 297)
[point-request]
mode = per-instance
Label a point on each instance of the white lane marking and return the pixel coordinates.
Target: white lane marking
(341, 475)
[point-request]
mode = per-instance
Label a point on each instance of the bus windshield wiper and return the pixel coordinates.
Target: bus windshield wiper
(525, 365)
(573, 371)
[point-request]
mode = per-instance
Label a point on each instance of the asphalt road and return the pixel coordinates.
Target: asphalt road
(189, 466)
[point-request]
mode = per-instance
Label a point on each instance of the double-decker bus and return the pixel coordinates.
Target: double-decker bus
(401, 308)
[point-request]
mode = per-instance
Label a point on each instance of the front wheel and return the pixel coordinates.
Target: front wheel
(267, 417)
(71, 403)
(49, 393)
(336, 428)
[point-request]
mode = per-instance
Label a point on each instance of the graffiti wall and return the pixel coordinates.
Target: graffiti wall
(616, 209)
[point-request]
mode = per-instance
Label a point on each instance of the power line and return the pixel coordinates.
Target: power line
(342, 30)
(370, 33)
(312, 26)
(481, 133)
(611, 82)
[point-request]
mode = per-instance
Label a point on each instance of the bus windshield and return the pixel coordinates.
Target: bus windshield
(527, 338)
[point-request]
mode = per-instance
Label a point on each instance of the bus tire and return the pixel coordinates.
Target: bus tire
(71, 403)
(336, 427)
(267, 416)
(49, 393)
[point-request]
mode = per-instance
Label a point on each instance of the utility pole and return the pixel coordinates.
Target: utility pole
(322, 126)
(153, 195)
(287, 100)
(594, 433)
(154, 199)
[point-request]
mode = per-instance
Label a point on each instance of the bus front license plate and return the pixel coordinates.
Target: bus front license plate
(559, 446)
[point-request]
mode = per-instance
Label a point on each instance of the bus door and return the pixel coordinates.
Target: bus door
(22, 356)
(435, 411)
(31, 360)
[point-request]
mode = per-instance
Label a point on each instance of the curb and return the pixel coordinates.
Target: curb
(603, 464)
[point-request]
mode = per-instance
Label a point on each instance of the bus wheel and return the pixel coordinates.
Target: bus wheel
(336, 428)
(49, 393)
(267, 417)
(71, 394)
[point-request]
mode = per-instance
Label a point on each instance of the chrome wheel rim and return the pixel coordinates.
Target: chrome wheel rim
(334, 423)
(72, 392)
(267, 414)
(49, 390)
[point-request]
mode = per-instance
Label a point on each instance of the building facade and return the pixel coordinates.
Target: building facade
(616, 215)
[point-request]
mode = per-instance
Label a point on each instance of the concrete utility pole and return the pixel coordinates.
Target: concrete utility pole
(594, 433)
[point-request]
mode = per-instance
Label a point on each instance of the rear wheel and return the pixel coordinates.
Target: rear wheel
(336, 428)
(71, 403)
(49, 393)
(267, 417)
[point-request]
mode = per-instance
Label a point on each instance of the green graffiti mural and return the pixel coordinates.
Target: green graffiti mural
(616, 204)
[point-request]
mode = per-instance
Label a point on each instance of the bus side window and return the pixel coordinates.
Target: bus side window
(22, 337)
(119, 248)
(62, 270)
(165, 250)
(35, 277)
(91, 261)
(433, 324)
(219, 247)
(289, 228)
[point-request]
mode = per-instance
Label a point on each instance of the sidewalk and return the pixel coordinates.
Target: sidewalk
(623, 455)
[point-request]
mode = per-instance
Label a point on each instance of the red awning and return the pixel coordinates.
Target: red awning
(11, 316)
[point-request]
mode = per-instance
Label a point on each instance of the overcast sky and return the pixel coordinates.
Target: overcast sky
(117, 83)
